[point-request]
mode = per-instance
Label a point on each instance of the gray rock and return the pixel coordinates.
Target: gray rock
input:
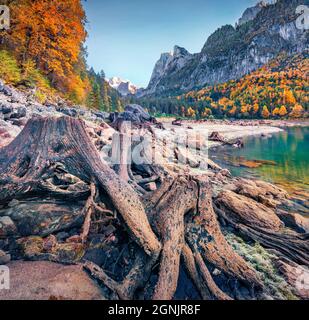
(5, 107)
(18, 113)
(7, 227)
(44, 217)
(134, 113)
(4, 258)
(69, 112)
(101, 115)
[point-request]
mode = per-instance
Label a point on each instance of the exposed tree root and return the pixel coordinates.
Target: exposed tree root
(201, 277)
(55, 156)
(290, 245)
(88, 209)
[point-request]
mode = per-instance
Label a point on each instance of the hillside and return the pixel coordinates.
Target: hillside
(278, 89)
(44, 50)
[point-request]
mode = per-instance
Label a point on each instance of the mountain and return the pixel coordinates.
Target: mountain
(168, 62)
(251, 13)
(278, 89)
(124, 87)
(232, 52)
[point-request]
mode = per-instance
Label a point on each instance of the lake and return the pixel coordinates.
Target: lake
(281, 159)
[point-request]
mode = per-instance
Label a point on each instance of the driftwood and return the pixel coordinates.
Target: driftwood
(177, 122)
(174, 224)
(216, 136)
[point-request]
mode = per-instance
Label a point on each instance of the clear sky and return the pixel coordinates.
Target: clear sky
(126, 37)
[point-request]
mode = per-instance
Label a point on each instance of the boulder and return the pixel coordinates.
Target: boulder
(68, 111)
(5, 108)
(133, 113)
(101, 115)
(7, 227)
(42, 280)
(18, 113)
(43, 218)
(4, 258)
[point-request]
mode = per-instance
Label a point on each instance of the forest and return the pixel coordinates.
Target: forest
(45, 50)
(277, 90)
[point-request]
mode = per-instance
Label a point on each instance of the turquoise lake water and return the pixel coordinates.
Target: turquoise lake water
(286, 154)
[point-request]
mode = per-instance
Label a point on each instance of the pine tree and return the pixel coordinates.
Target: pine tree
(119, 107)
(107, 103)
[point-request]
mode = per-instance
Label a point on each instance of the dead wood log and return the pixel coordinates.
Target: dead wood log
(56, 154)
(44, 141)
(216, 136)
(177, 122)
(201, 277)
(204, 235)
(290, 245)
(169, 223)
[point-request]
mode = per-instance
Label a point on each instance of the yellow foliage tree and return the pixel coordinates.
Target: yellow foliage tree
(289, 97)
(283, 112)
(297, 111)
(256, 108)
(191, 112)
(276, 112)
(207, 112)
(50, 33)
(265, 112)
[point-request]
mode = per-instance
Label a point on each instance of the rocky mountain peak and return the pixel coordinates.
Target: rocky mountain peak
(180, 52)
(230, 53)
(124, 87)
(251, 13)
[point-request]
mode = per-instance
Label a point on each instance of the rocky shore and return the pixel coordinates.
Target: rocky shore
(240, 238)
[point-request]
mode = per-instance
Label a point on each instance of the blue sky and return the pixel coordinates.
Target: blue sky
(126, 37)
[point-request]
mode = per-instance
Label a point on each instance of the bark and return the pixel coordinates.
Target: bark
(56, 157)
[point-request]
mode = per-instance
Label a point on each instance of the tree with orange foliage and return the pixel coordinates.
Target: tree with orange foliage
(51, 34)
(256, 108)
(275, 112)
(265, 112)
(206, 113)
(191, 112)
(282, 111)
(288, 97)
(297, 111)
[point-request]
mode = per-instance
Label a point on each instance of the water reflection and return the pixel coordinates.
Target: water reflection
(288, 149)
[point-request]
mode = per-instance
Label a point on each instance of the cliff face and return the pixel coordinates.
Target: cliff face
(229, 53)
(251, 13)
(169, 63)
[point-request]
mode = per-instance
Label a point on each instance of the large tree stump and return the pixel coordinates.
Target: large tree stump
(174, 224)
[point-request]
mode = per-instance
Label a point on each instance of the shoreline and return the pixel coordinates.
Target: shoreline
(231, 130)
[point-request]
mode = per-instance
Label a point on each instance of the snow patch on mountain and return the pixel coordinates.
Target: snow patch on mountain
(124, 87)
